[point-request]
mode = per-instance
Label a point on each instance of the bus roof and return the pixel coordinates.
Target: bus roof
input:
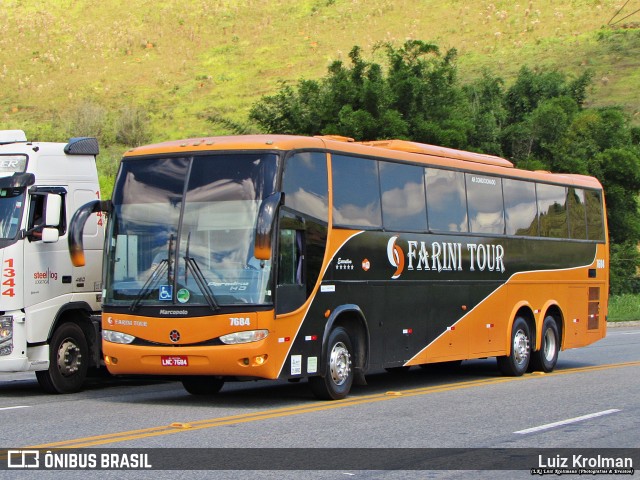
(398, 150)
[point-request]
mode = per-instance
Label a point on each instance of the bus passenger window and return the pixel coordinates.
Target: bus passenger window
(484, 203)
(553, 210)
(446, 201)
(577, 214)
(305, 184)
(521, 210)
(403, 198)
(595, 223)
(356, 193)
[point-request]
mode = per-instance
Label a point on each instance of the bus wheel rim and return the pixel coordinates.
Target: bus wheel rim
(549, 345)
(520, 347)
(339, 363)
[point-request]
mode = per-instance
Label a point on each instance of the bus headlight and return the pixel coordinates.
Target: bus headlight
(117, 337)
(6, 335)
(244, 337)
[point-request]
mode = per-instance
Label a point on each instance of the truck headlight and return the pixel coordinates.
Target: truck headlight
(6, 335)
(244, 337)
(117, 337)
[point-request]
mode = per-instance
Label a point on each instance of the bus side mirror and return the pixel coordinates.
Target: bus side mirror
(52, 210)
(264, 225)
(76, 229)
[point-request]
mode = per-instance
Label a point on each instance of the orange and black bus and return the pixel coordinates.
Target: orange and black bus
(286, 257)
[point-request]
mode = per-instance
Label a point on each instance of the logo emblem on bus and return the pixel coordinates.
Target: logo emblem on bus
(396, 256)
(174, 336)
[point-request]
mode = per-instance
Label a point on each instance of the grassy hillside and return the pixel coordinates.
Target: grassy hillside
(66, 65)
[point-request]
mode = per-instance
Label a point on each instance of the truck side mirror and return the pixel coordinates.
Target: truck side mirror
(52, 210)
(50, 235)
(264, 225)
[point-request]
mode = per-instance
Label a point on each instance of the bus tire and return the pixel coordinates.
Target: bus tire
(68, 361)
(202, 384)
(337, 372)
(516, 363)
(545, 359)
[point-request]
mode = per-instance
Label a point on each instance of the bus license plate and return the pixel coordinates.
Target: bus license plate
(175, 361)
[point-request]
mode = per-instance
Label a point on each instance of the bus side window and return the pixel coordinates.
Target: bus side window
(356, 192)
(446, 200)
(305, 184)
(521, 210)
(577, 213)
(403, 198)
(553, 211)
(595, 221)
(485, 203)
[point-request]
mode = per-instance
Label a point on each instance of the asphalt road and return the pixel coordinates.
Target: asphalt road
(590, 401)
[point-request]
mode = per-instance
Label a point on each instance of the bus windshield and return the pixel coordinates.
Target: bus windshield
(182, 231)
(11, 203)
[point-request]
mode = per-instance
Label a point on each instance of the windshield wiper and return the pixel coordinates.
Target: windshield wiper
(156, 274)
(192, 265)
(151, 283)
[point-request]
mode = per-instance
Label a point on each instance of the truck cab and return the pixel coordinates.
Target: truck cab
(49, 309)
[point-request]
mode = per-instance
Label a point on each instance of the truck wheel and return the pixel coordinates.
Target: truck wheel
(516, 363)
(68, 361)
(337, 378)
(545, 359)
(202, 385)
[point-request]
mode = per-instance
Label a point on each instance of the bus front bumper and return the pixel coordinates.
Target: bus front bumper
(243, 360)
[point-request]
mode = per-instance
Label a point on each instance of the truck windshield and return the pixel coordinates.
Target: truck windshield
(182, 231)
(11, 204)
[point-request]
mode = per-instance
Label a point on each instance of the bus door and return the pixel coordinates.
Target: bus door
(291, 284)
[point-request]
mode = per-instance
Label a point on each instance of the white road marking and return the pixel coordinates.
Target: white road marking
(13, 408)
(567, 422)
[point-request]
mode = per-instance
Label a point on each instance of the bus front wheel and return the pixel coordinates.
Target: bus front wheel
(516, 363)
(545, 359)
(337, 371)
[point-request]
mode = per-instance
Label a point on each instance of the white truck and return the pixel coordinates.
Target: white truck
(49, 309)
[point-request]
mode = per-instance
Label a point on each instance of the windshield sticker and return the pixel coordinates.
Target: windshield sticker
(165, 293)
(183, 295)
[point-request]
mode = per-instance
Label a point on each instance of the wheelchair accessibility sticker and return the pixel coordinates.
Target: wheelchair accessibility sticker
(165, 292)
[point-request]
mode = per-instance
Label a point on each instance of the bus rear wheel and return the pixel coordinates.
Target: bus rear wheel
(68, 361)
(337, 372)
(202, 385)
(545, 359)
(516, 363)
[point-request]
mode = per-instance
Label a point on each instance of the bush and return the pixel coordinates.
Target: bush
(90, 120)
(133, 127)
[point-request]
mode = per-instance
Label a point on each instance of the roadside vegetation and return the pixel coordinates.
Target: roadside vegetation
(623, 308)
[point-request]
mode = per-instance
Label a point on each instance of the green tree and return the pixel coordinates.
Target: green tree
(417, 98)
(487, 113)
